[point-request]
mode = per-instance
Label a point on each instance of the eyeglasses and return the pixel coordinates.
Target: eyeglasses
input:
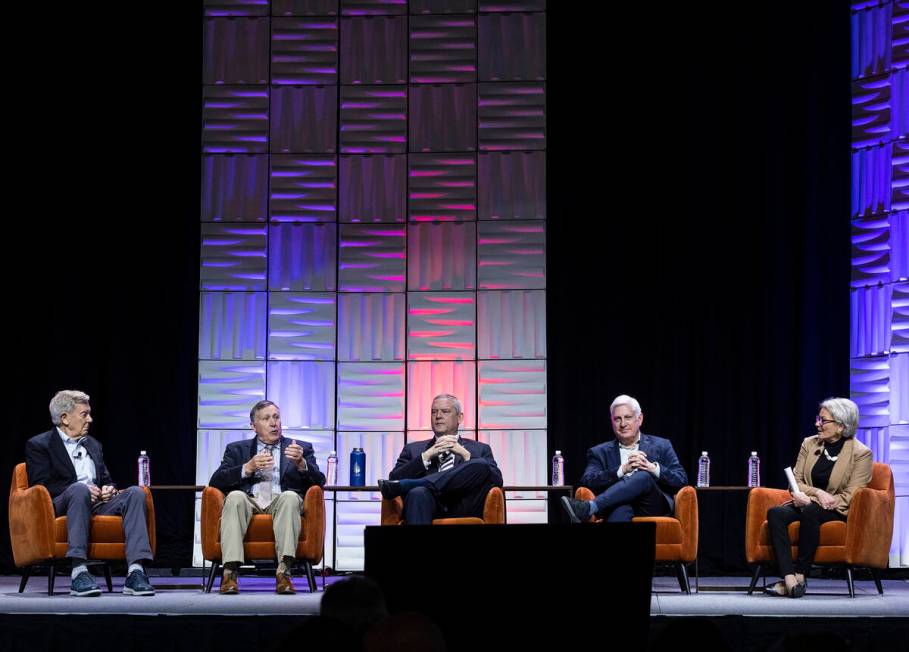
(821, 421)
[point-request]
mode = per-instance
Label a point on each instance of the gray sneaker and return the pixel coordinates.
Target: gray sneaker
(137, 584)
(84, 586)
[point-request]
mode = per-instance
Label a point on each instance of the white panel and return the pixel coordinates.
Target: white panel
(512, 394)
(370, 396)
(382, 450)
(305, 393)
(352, 518)
(232, 326)
(522, 457)
(301, 326)
(227, 390)
(511, 324)
(526, 511)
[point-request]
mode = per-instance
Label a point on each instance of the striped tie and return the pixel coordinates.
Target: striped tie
(446, 460)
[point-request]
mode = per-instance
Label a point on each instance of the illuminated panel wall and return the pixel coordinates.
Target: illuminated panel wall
(373, 226)
(880, 244)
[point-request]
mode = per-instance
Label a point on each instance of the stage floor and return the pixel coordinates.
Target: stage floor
(183, 596)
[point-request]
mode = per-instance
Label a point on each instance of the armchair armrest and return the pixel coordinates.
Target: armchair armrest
(869, 527)
(31, 525)
(210, 522)
(760, 499)
(314, 525)
(686, 511)
(392, 511)
(494, 508)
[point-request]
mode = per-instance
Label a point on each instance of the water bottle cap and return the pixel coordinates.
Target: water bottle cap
(754, 453)
(703, 452)
(558, 452)
(141, 452)
(333, 453)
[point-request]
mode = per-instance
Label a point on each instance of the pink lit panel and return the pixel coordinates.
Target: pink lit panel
(441, 326)
(511, 255)
(512, 394)
(370, 396)
(428, 379)
(442, 256)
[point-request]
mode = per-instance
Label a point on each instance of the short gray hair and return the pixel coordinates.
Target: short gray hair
(844, 412)
(453, 399)
(261, 405)
(624, 399)
(65, 401)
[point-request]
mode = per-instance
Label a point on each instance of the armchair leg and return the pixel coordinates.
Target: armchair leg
(51, 576)
(310, 576)
(682, 574)
(211, 576)
(754, 578)
(877, 581)
(107, 578)
(850, 582)
(26, 572)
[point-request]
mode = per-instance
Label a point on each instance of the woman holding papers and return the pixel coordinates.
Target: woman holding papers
(830, 467)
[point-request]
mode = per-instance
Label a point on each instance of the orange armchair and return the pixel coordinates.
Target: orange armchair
(676, 536)
(493, 512)
(259, 542)
(863, 540)
(39, 537)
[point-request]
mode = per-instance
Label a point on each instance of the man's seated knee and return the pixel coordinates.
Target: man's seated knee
(136, 494)
(235, 496)
(418, 494)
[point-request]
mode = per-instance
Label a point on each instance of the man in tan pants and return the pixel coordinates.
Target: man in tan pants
(268, 474)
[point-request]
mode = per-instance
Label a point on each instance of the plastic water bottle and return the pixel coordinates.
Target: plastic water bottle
(357, 468)
(558, 469)
(704, 470)
(754, 470)
(144, 470)
(331, 469)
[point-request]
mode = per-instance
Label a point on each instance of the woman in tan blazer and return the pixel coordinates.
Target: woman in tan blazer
(831, 466)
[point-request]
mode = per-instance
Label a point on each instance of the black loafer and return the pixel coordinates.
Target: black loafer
(797, 591)
(390, 489)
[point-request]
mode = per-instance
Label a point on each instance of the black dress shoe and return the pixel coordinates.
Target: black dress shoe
(578, 510)
(390, 489)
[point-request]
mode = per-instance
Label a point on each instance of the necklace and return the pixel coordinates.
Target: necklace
(832, 458)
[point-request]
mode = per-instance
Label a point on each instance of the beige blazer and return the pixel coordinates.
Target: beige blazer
(851, 471)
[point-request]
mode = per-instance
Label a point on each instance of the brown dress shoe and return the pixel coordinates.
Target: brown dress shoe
(283, 585)
(229, 584)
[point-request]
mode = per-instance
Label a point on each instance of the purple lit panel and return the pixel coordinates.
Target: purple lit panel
(372, 258)
(871, 251)
(304, 119)
(305, 393)
(226, 392)
(869, 387)
(443, 187)
(870, 328)
(899, 250)
(511, 255)
(513, 47)
(899, 102)
(442, 256)
(511, 324)
(899, 39)
(235, 119)
(426, 380)
(301, 326)
(512, 394)
(235, 51)
(897, 176)
(871, 30)
(512, 116)
(371, 327)
(871, 111)
(512, 5)
(304, 51)
(373, 7)
(373, 119)
(234, 188)
(373, 188)
(443, 49)
(235, 7)
(871, 185)
(370, 396)
(512, 186)
(443, 6)
(304, 7)
(302, 257)
(899, 319)
(233, 257)
(441, 326)
(374, 50)
(443, 118)
(232, 325)
(303, 188)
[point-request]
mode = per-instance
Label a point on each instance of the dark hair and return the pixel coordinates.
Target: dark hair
(261, 405)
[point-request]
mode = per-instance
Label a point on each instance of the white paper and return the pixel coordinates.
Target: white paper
(793, 486)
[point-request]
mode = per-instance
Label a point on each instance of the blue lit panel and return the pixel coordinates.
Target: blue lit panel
(871, 251)
(522, 457)
(425, 380)
(305, 392)
(871, 44)
(511, 324)
(301, 326)
(370, 396)
(512, 255)
(372, 258)
(234, 188)
(441, 326)
(232, 325)
(304, 51)
(899, 325)
(373, 188)
(871, 180)
(512, 394)
(869, 387)
(302, 257)
(371, 327)
(899, 388)
(303, 188)
(442, 256)
(235, 119)
(870, 329)
(227, 390)
(899, 249)
(871, 123)
(898, 177)
(382, 450)
(233, 257)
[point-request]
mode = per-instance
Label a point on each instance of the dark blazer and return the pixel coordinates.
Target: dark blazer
(228, 476)
(49, 464)
(410, 463)
(603, 461)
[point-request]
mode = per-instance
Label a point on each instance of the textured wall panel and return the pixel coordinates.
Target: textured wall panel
(899, 388)
(304, 51)
(301, 326)
(350, 520)
(443, 6)
(489, 6)
(441, 326)
(373, 119)
(899, 103)
(210, 445)
(871, 251)
(235, 119)
(302, 257)
(232, 325)
(511, 255)
(303, 188)
(512, 186)
(426, 380)
(443, 49)
(304, 7)
(227, 390)
(899, 320)
(304, 119)
(869, 380)
(236, 51)
(442, 256)
(511, 324)
(373, 7)
(234, 188)
(371, 327)
(526, 511)
(899, 38)
(233, 257)
(374, 50)
(871, 180)
(235, 7)
(373, 188)
(870, 328)
(322, 442)
(899, 249)
(871, 30)
(512, 394)
(382, 450)
(305, 392)
(442, 187)
(522, 457)
(372, 258)
(899, 177)
(513, 47)
(512, 116)
(370, 396)
(870, 111)
(443, 118)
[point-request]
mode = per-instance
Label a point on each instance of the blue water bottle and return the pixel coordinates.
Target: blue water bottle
(357, 468)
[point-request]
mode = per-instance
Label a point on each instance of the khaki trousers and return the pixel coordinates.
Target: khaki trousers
(239, 507)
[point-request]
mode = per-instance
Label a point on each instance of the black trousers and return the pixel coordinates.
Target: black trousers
(810, 519)
(460, 491)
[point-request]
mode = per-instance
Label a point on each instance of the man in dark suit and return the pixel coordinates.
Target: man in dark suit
(633, 475)
(70, 464)
(257, 483)
(443, 477)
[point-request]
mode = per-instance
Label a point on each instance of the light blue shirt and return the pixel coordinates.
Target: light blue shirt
(82, 461)
(625, 452)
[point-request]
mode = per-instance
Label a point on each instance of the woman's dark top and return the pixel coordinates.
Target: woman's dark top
(820, 474)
